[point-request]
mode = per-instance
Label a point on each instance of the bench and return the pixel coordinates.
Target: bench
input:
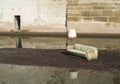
(88, 52)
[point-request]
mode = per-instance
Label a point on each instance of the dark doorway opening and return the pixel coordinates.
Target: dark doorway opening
(17, 22)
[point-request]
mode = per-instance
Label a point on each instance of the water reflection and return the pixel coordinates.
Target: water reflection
(23, 74)
(7, 42)
(33, 42)
(101, 43)
(18, 42)
(47, 75)
(56, 42)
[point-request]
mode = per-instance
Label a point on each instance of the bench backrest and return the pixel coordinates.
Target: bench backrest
(83, 47)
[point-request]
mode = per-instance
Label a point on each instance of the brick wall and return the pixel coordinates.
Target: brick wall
(93, 12)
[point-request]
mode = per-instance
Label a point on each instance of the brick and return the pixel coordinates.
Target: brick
(101, 19)
(85, 4)
(117, 13)
(70, 8)
(72, 4)
(109, 7)
(72, 18)
(74, 10)
(87, 18)
(96, 13)
(117, 4)
(83, 8)
(94, 4)
(74, 14)
(85, 13)
(98, 7)
(117, 8)
(107, 13)
(106, 4)
(114, 19)
(70, 1)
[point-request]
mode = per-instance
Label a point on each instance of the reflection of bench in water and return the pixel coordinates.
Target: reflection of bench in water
(88, 52)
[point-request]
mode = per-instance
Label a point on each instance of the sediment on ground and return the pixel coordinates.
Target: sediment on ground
(107, 60)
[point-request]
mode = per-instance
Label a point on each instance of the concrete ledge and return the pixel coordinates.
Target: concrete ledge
(108, 35)
(61, 34)
(33, 34)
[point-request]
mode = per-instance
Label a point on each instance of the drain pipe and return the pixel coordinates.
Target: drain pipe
(66, 26)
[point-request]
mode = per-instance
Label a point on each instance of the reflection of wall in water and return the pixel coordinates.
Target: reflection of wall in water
(33, 42)
(53, 75)
(56, 43)
(101, 43)
(44, 43)
(18, 42)
(7, 42)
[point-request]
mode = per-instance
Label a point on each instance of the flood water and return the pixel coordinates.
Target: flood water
(16, 74)
(52, 42)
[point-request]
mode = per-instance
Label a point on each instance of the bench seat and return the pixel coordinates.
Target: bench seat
(88, 52)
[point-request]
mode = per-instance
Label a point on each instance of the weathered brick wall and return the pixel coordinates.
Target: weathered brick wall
(92, 13)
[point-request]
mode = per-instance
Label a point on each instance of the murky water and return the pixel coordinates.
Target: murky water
(32, 42)
(56, 42)
(15, 74)
(101, 43)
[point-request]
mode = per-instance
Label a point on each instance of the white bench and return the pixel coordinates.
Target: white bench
(83, 50)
